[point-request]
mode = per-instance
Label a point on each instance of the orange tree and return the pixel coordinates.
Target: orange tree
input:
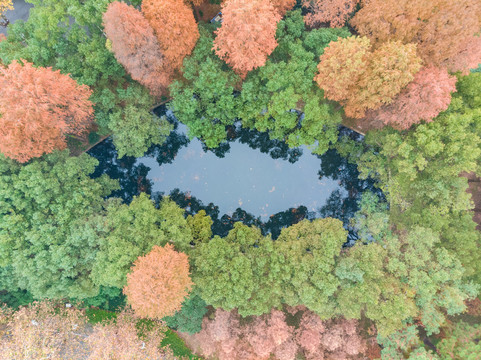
(159, 282)
(175, 27)
(361, 78)
(247, 35)
(39, 107)
(135, 46)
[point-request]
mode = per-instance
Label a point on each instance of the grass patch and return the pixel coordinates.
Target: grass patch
(177, 345)
(98, 315)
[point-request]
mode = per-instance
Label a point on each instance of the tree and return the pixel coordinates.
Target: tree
(423, 99)
(204, 99)
(135, 128)
(309, 250)
(175, 27)
(238, 272)
(334, 12)
(361, 79)
(39, 107)
(41, 330)
(270, 96)
(461, 342)
(189, 318)
(282, 6)
(125, 338)
(127, 232)
(433, 24)
(159, 282)
(247, 35)
(45, 207)
(467, 58)
(136, 47)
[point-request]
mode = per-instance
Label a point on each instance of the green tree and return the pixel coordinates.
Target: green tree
(271, 95)
(129, 231)
(309, 251)
(201, 226)
(189, 318)
(238, 271)
(204, 99)
(135, 128)
(43, 208)
(461, 342)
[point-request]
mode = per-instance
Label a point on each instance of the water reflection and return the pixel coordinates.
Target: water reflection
(250, 178)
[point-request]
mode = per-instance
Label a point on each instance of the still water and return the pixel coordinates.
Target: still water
(250, 178)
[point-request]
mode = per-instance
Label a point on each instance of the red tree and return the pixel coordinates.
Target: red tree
(39, 107)
(158, 283)
(247, 35)
(135, 46)
(175, 27)
(333, 12)
(423, 99)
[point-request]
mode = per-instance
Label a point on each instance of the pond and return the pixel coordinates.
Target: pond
(250, 178)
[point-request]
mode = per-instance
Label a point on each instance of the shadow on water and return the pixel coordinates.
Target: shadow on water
(341, 203)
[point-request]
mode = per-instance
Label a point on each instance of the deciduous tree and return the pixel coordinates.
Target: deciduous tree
(129, 231)
(45, 207)
(39, 108)
(361, 79)
(309, 251)
(282, 6)
(423, 99)
(333, 12)
(136, 47)
(247, 35)
(433, 24)
(159, 282)
(175, 27)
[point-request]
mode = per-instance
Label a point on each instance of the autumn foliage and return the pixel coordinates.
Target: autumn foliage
(158, 283)
(175, 27)
(5, 5)
(333, 12)
(423, 99)
(228, 337)
(247, 35)
(39, 106)
(135, 46)
(282, 6)
(439, 27)
(361, 78)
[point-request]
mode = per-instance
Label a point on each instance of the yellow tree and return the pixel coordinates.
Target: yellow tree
(361, 79)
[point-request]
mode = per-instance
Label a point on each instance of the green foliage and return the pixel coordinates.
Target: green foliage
(399, 343)
(238, 271)
(96, 316)
(135, 127)
(68, 35)
(204, 99)
(201, 226)
(43, 206)
(108, 298)
(309, 251)
(189, 318)
(177, 345)
(271, 94)
(461, 343)
(129, 231)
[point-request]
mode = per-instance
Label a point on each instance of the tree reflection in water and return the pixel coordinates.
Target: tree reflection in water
(342, 203)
